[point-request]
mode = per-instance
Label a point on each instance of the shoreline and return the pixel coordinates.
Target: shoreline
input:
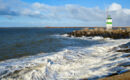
(123, 76)
(116, 76)
(125, 48)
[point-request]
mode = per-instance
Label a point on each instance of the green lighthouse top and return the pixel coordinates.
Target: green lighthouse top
(109, 17)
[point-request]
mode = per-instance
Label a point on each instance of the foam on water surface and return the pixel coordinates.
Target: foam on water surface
(70, 63)
(84, 37)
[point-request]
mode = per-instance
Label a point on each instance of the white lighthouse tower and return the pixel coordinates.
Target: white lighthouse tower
(109, 22)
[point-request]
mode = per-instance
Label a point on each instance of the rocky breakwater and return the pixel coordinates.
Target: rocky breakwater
(117, 33)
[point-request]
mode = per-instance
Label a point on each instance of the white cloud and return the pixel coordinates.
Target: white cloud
(121, 16)
(77, 13)
(115, 7)
(70, 11)
(126, 11)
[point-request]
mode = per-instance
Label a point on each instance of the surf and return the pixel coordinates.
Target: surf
(70, 63)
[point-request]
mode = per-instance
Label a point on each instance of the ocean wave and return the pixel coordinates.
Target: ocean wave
(70, 63)
(84, 37)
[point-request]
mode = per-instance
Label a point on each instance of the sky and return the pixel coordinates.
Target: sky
(66, 13)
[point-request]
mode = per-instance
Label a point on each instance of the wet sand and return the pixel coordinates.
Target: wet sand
(124, 76)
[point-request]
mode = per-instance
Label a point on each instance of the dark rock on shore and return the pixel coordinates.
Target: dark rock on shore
(127, 45)
(125, 50)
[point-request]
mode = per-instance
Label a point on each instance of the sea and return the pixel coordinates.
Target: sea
(49, 54)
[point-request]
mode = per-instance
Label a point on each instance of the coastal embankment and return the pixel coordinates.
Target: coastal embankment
(116, 33)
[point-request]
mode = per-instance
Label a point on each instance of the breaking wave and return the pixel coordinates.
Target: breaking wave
(70, 63)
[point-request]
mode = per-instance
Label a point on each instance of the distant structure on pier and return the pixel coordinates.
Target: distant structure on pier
(109, 23)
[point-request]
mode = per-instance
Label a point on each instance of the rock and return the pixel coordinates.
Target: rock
(125, 50)
(115, 34)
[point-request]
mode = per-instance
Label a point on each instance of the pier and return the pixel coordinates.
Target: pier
(115, 33)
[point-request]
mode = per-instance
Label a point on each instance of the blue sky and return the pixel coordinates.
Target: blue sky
(40, 13)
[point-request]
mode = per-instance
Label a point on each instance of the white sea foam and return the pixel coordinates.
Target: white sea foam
(70, 63)
(84, 37)
(65, 35)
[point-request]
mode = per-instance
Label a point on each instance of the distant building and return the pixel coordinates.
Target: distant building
(109, 23)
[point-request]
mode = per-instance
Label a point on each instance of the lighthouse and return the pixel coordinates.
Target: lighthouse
(109, 23)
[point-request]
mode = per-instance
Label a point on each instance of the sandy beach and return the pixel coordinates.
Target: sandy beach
(124, 76)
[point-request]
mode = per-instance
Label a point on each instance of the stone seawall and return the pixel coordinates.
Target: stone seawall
(117, 33)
